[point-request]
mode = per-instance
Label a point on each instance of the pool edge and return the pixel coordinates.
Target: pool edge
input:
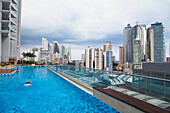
(74, 82)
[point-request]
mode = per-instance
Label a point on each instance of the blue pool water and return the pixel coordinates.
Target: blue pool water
(48, 93)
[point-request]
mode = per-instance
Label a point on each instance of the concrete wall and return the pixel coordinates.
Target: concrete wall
(0, 46)
(5, 49)
(115, 103)
(156, 67)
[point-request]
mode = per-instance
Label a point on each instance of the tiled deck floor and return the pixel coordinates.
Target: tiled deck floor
(7, 71)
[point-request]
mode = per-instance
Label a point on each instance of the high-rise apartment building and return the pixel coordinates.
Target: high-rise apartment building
(108, 60)
(122, 55)
(159, 43)
(150, 44)
(45, 43)
(10, 28)
(137, 53)
(69, 53)
(62, 50)
(89, 54)
(107, 46)
(139, 32)
(83, 57)
(98, 52)
(55, 48)
(128, 42)
(156, 43)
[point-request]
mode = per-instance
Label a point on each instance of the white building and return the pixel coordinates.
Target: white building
(98, 58)
(89, 53)
(45, 43)
(10, 28)
(83, 57)
(69, 53)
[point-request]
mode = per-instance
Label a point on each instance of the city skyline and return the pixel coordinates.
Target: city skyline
(92, 25)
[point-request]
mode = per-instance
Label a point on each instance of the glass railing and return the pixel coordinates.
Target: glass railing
(14, 13)
(13, 36)
(16, 1)
(14, 6)
(146, 89)
(13, 28)
(14, 21)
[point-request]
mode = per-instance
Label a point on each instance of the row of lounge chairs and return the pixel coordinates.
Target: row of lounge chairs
(4, 63)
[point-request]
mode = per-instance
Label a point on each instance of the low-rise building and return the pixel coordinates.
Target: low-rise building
(158, 70)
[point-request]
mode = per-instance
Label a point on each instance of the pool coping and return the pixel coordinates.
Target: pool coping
(74, 82)
(12, 71)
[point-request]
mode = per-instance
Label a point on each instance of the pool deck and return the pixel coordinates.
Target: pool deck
(7, 71)
(74, 81)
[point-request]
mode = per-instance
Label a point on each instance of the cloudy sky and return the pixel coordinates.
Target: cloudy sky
(83, 23)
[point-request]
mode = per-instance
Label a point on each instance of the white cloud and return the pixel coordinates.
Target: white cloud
(92, 19)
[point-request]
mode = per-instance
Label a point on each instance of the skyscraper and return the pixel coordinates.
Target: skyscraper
(10, 24)
(159, 42)
(69, 53)
(45, 43)
(82, 57)
(137, 53)
(108, 60)
(150, 44)
(122, 55)
(139, 31)
(62, 50)
(108, 46)
(128, 42)
(89, 54)
(98, 52)
(55, 48)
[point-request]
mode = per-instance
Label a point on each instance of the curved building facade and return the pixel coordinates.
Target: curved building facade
(55, 47)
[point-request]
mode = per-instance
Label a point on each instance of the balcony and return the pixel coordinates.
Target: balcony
(13, 28)
(5, 18)
(13, 36)
(14, 14)
(14, 6)
(14, 21)
(16, 1)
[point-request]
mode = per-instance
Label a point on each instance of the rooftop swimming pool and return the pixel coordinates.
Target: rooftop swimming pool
(48, 93)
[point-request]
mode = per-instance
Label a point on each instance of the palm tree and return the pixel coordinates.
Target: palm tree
(28, 55)
(32, 55)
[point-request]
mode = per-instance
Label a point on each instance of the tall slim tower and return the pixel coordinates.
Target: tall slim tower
(137, 53)
(89, 55)
(157, 43)
(98, 58)
(139, 31)
(10, 28)
(128, 42)
(45, 43)
(122, 55)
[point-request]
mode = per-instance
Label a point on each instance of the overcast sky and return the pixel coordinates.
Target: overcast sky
(83, 23)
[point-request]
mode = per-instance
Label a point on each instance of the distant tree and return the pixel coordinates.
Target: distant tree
(32, 55)
(28, 55)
